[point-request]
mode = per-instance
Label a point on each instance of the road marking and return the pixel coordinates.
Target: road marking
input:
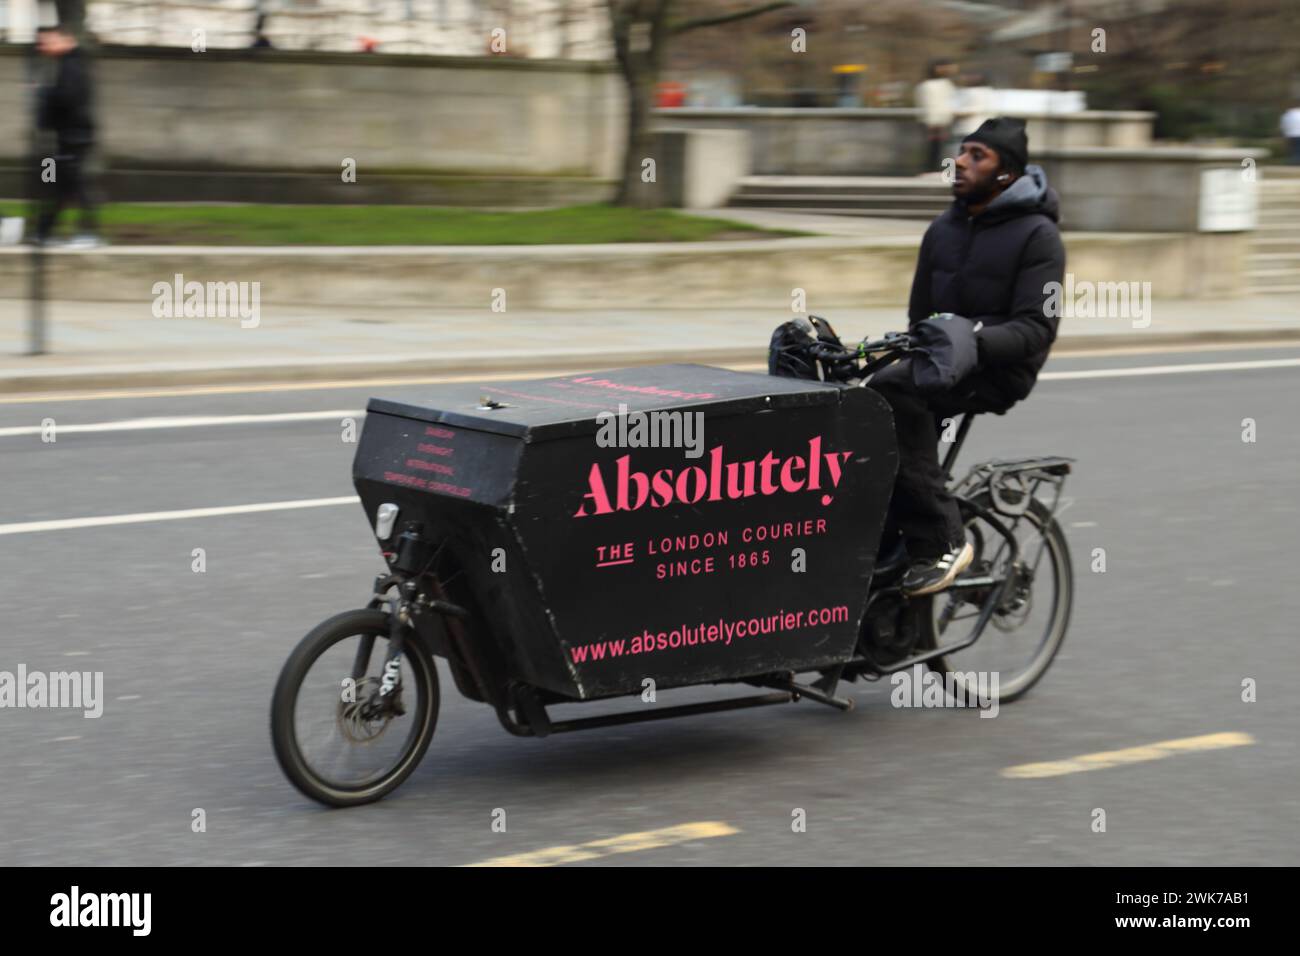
(626, 843)
(204, 421)
(1158, 349)
(1169, 369)
(96, 395)
(1117, 758)
(182, 421)
(62, 524)
(1141, 370)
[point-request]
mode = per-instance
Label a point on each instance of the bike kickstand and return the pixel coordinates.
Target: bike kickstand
(823, 691)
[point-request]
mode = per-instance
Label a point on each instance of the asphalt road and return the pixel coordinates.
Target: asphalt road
(1199, 593)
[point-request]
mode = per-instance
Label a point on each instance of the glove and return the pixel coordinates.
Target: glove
(947, 351)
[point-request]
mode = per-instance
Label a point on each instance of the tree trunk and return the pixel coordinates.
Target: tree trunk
(640, 71)
(632, 190)
(640, 68)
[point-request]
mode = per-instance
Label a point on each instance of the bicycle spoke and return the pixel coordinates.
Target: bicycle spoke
(348, 749)
(1019, 631)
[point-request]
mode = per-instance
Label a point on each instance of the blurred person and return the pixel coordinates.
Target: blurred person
(935, 99)
(988, 260)
(66, 109)
(974, 105)
(1291, 130)
(260, 40)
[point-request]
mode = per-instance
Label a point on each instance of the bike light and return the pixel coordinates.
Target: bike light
(385, 518)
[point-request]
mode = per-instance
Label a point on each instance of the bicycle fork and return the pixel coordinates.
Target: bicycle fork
(387, 699)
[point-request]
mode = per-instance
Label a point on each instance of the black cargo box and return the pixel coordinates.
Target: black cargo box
(593, 567)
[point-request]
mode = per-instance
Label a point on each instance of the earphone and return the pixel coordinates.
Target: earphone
(1004, 177)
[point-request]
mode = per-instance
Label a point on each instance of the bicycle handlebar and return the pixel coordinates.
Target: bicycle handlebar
(892, 342)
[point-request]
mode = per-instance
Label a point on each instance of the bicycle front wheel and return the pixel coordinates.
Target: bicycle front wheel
(334, 737)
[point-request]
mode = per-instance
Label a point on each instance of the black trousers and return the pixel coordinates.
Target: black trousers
(936, 142)
(921, 509)
(71, 185)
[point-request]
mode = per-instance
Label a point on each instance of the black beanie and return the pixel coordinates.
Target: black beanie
(1007, 136)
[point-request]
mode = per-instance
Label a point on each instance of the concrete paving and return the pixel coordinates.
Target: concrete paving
(109, 344)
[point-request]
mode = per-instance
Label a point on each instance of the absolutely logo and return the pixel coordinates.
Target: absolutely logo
(719, 480)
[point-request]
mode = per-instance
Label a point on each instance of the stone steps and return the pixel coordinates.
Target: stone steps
(921, 215)
(868, 196)
(1273, 266)
(1274, 248)
(1279, 243)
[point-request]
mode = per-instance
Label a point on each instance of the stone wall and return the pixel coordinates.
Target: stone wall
(239, 109)
(1143, 190)
(836, 272)
(170, 108)
(884, 142)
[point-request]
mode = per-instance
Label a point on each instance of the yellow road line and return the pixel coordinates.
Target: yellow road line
(1117, 758)
(626, 843)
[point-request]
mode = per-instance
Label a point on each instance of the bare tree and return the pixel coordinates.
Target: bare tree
(641, 30)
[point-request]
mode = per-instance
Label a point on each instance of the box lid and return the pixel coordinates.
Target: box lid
(566, 405)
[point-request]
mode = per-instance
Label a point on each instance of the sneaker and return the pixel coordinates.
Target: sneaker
(936, 574)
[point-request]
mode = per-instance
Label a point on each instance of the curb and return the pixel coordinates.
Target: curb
(366, 368)
(104, 377)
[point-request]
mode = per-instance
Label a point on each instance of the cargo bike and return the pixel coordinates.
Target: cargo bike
(550, 567)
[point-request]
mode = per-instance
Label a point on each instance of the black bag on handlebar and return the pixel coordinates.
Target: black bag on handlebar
(794, 351)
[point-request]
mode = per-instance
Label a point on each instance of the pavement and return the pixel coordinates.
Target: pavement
(120, 344)
(1181, 535)
(116, 344)
(861, 227)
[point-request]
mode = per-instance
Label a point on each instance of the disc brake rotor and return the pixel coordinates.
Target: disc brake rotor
(1013, 613)
(352, 721)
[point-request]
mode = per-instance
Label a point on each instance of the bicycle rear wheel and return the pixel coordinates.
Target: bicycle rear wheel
(1028, 628)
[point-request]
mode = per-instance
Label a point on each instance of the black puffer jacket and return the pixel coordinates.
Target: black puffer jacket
(66, 104)
(994, 268)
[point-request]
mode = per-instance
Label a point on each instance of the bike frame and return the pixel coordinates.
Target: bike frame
(986, 476)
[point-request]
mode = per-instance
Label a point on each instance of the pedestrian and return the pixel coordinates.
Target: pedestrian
(260, 40)
(974, 105)
(990, 260)
(1291, 130)
(935, 99)
(65, 107)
